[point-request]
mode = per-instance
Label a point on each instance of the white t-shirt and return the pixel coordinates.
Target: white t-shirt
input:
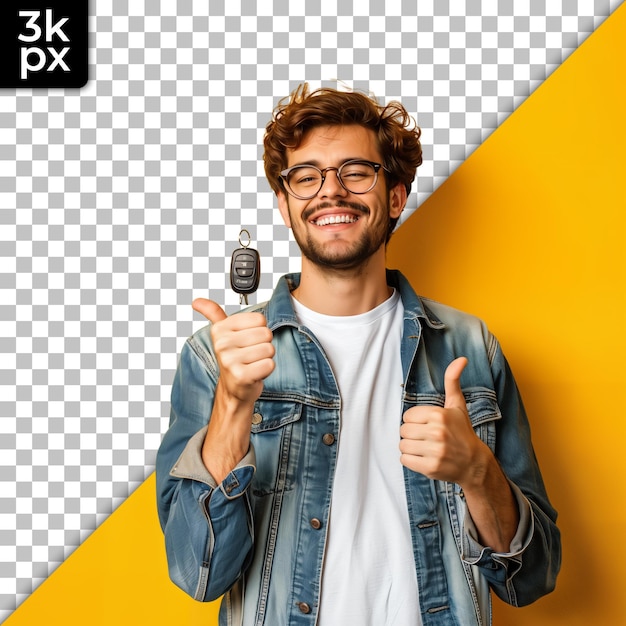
(368, 573)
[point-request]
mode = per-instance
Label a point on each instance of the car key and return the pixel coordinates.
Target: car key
(245, 269)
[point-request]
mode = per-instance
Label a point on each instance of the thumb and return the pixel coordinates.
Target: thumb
(211, 310)
(452, 384)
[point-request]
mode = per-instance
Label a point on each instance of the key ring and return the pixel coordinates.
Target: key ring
(244, 245)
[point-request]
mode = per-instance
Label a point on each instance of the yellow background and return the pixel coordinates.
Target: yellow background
(529, 234)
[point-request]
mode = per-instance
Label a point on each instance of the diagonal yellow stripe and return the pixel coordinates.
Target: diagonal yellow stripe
(528, 233)
(117, 577)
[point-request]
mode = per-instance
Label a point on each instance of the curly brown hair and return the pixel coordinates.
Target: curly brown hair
(397, 132)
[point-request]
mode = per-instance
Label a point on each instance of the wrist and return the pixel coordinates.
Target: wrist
(228, 435)
(480, 470)
(221, 460)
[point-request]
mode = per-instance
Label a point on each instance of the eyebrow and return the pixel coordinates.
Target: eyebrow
(318, 163)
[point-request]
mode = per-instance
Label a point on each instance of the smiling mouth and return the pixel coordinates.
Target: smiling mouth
(334, 214)
(327, 220)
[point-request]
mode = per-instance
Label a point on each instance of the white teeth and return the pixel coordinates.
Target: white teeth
(336, 219)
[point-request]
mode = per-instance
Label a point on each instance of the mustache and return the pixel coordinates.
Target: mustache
(340, 204)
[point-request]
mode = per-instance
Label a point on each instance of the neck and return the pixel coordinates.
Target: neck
(343, 292)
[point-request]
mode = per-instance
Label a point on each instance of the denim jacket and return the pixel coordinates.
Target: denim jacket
(258, 538)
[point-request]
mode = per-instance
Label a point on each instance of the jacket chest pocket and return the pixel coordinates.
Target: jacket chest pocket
(484, 413)
(275, 437)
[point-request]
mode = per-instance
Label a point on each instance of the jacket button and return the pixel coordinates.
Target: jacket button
(315, 523)
(328, 439)
(304, 607)
(257, 418)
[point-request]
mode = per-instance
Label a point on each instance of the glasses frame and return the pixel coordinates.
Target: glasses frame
(285, 174)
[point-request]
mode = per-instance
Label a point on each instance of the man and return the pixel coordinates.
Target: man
(350, 453)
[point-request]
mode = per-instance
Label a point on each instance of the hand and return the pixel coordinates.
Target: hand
(243, 348)
(440, 442)
(244, 351)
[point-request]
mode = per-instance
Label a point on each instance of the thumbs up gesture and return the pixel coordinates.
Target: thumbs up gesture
(440, 442)
(244, 351)
(243, 348)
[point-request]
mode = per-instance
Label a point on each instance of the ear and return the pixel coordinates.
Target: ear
(283, 207)
(397, 200)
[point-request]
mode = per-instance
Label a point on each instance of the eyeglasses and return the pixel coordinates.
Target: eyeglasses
(305, 181)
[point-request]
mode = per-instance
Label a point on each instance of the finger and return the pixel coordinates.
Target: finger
(413, 432)
(245, 336)
(211, 310)
(230, 337)
(247, 355)
(418, 415)
(452, 384)
(256, 371)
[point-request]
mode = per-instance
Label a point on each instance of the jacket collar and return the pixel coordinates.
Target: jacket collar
(279, 309)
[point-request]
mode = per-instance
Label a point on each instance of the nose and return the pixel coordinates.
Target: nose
(331, 186)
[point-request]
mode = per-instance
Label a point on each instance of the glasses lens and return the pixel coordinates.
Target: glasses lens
(357, 176)
(304, 181)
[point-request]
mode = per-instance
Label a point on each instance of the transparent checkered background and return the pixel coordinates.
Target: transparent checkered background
(122, 201)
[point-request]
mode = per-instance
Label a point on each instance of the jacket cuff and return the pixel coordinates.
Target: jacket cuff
(474, 552)
(190, 464)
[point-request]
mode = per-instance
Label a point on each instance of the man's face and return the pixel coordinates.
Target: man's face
(336, 228)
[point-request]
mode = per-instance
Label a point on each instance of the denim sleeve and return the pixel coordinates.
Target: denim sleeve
(207, 527)
(530, 569)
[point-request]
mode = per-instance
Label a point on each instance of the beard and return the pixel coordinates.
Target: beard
(337, 255)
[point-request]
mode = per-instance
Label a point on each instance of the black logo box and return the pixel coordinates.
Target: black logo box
(46, 46)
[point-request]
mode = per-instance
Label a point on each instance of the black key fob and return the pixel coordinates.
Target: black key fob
(245, 270)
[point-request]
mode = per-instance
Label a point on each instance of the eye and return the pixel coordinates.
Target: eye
(306, 181)
(357, 171)
(304, 177)
(354, 174)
